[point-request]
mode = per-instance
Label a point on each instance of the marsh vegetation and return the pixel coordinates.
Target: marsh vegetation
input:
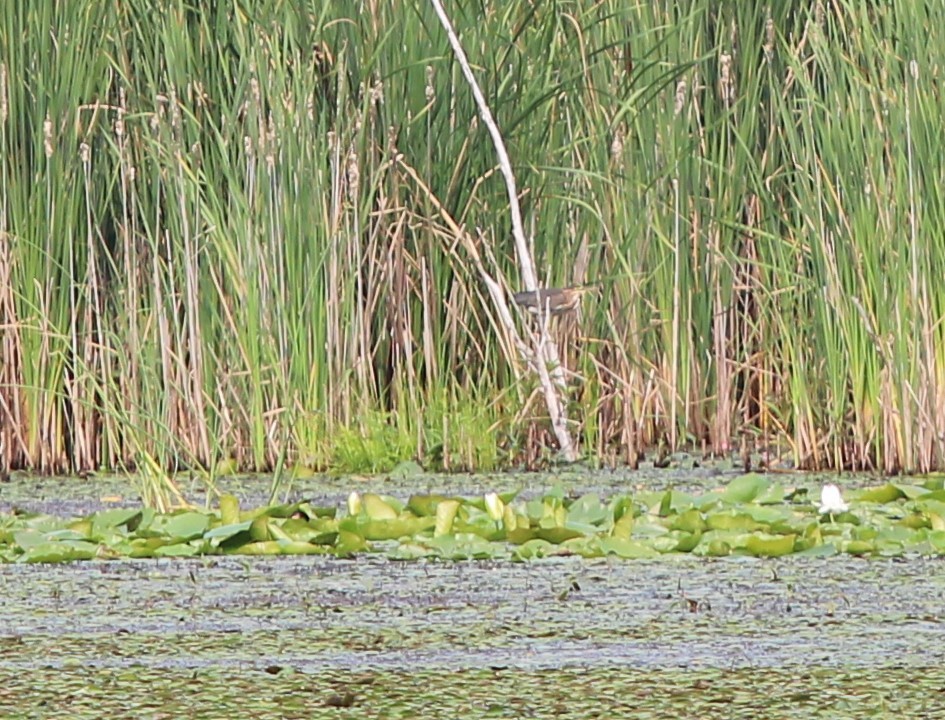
(228, 233)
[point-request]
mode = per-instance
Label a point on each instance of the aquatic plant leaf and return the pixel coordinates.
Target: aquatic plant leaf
(317, 532)
(313, 512)
(229, 509)
(586, 528)
(222, 533)
(259, 547)
(666, 504)
(350, 542)
(56, 552)
(392, 529)
(911, 519)
(283, 511)
(685, 541)
(911, 491)
(646, 529)
(858, 547)
(732, 520)
(623, 528)
(521, 535)
(559, 534)
(767, 514)
(115, 518)
(412, 551)
(745, 489)
(145, 547)
(465, 546)
(69, 533)
(884, 494)
(445, 514)
(929, 505)
(774, 494)
(938, 495)
(181, 526)
(478, 523)
(495, 508)
(936, 539)
(40, 522)
(29, 539)
(425, 505)
(511, 520)
(376, 508)
(534, 549)
(690, 521)
(276, 532)
(588, 510)
(715, 547)
(825, 550)
(259, 529)
(764, 545)
(901, 534)
(177, 550)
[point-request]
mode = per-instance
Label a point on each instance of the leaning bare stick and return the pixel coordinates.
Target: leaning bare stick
(544, 355)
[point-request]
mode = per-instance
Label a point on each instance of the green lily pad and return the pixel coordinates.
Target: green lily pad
(229, 510)
(177, 550)
(377, 508)
(763, 545)
(557, 535)
(732, 520)
(884, 494)
(181, 526)
(588, 510)
(745, 489)
(115, 518)
(445, 514)
(56, 552)
(690, 521)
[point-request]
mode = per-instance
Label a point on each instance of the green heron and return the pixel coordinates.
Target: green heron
(554, 301)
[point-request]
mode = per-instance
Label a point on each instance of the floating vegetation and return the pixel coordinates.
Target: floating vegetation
(753, 515)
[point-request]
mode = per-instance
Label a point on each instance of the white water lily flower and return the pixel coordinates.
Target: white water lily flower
(494, 506)
(831, 501)
(354, 503)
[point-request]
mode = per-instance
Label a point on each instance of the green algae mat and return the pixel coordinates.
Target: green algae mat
(753, 515)
(570, 693)
(321, 637)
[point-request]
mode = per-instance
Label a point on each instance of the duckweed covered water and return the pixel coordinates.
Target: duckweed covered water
(294, 637)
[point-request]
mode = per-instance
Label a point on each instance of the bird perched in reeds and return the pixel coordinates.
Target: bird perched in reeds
(553, 301)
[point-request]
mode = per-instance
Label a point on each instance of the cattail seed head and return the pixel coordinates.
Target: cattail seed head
(616, 145)
(726, 79)
(4, 102)
(680, 100)
(430, 90)
(769, 36)
(47, 137)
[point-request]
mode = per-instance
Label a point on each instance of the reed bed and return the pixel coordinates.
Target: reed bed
(226, 232)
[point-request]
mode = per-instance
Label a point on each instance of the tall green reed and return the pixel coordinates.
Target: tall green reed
(211, 249)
